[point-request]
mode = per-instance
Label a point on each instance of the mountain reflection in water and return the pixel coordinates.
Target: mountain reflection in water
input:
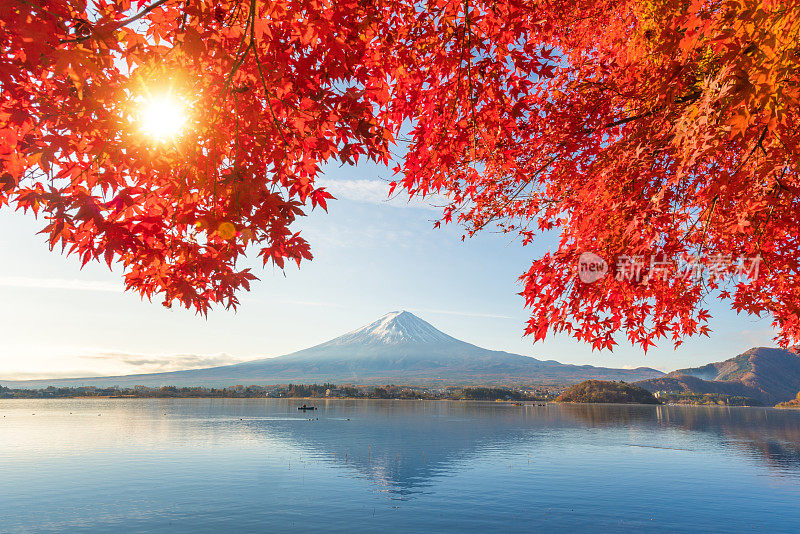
(257, 464)
(403, 445)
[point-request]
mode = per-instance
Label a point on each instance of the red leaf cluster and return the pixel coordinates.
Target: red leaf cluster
(664, 129)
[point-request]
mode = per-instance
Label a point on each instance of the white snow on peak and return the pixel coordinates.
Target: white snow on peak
(393, 329)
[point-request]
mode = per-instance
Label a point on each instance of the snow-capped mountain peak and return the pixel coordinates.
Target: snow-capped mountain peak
(395, 328)
(399, 347)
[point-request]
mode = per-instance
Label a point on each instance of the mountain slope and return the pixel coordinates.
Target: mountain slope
(399, 347)
(767, 374)
(678, 383)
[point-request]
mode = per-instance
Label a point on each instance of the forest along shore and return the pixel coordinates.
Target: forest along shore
(329, 391)
(550, 393)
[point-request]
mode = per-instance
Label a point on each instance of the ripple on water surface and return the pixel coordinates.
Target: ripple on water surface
(203, 465)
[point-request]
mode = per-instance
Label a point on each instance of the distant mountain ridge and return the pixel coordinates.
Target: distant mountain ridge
(397, 348)
(768, 375)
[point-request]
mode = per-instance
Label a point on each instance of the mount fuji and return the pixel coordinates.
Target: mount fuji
(398, 348)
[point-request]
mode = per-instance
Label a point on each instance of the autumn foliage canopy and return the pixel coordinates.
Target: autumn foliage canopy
(654, 134)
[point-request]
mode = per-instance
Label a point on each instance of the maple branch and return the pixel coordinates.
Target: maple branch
(514, 195)
(119, 24)
(760, 141)
(40, 8)
(236, 65)
(749, 155)
(469, 76)
(458, 75)
(691, 97)
(764, 229)
(626, 120)
(794, 190)
(705, 226)
(261, 74)
(141, 14)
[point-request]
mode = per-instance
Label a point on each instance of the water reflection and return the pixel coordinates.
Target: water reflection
(403, 446)
(256, 464)
(766, 434)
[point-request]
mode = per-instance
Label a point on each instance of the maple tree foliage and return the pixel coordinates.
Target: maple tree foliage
(664, 130)
(660, 129)
(277, 89)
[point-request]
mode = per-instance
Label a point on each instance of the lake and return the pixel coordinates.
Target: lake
(213, 465)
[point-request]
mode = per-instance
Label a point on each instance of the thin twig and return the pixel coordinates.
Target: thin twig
(120, 24)
(261, 72)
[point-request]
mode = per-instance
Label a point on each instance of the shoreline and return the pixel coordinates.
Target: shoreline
(519, 404)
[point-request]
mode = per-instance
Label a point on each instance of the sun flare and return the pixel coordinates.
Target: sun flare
(162, 117)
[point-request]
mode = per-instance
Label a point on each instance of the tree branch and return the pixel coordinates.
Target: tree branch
(120, 24)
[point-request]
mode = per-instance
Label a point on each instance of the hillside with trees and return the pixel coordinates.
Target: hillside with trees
(767, 375)
(690, 385)
(600, 391)
(794, 403)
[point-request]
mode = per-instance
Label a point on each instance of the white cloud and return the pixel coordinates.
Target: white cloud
(155, 363)
(60, 283)
(78, 363)
(377, 192)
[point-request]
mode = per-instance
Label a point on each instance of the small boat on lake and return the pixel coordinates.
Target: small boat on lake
(304, 407)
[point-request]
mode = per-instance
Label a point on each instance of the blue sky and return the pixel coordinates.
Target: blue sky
(371, 257)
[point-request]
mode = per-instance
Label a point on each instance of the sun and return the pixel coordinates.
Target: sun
(162, 117)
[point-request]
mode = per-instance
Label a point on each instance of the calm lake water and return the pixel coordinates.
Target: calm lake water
(212, 465)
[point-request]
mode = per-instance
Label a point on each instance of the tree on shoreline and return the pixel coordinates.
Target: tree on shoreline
(602, 391)
(653, 135)
(794, 403)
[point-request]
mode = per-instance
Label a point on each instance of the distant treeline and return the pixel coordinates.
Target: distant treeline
(290, 391)
(706, 399)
